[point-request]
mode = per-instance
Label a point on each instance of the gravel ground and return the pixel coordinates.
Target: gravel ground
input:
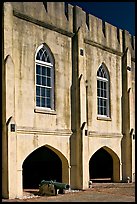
(99, 192)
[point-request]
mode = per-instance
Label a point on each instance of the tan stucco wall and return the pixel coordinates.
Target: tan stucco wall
(24, 52)
(35, 129)
(62, 130)
(27, 143)
(113, 63)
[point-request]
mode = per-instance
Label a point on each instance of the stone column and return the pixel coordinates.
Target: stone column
(126, 140)
(9, 150)
(8, 108)
(19, 182)
(11, 155)
(79, 170)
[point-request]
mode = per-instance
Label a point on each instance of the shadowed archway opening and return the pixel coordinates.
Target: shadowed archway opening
(42, 164)
(101, 166)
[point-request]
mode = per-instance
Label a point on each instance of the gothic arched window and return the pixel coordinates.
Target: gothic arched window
(103, 91)
(44, 78)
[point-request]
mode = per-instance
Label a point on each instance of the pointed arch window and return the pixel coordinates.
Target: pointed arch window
(44, 78)
(103, 108)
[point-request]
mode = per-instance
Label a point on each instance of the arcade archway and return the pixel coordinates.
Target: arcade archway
(101, 166)
(42, 164)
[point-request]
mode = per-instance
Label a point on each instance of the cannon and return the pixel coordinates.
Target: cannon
(54, 186)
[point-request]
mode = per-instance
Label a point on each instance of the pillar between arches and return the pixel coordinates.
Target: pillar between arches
(19, 183)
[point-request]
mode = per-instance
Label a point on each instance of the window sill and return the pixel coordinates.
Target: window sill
(104, 118)
(44, 111)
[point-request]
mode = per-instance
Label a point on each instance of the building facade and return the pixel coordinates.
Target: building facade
(68, 98)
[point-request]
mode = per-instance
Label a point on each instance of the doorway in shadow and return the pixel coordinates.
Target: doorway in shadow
(42, 164)
(101, 166)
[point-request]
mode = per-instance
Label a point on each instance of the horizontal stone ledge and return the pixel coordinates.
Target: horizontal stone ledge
(40, 132)
(103, 47)
(104, 135)
(45, 111)
(41, 23)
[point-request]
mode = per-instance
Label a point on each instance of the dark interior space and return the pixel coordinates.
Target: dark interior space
(101, 166)
(42, 164)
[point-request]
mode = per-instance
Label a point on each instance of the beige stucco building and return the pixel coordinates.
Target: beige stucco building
(68, 98)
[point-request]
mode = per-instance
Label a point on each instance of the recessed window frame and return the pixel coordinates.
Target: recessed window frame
(44, 66)
(103, 87)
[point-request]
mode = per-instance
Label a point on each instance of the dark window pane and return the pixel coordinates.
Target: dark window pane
(101, 84)
(105, 76)
(105, 111)
(48, 59)
(98, 101)
(97, 83)
(43, 102)
(48, 103)
(48, 92)
(105, 103)
(105, 94)
(37, 101)
(48, 71)
(101, 72)
(101, 111)
(104, 85)
(42, 91)
(38, 69)
(101, 93)
(38, 57)
(39, 54)
(37, 90)
(44, 81)
(98, 109)
(43, 57)
(48, 81)
(44, 71)
(98, 92)
(101, 102)
(38, 80)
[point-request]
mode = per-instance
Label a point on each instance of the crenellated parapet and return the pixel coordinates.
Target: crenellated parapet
(97, 31)
(103, 34)
(57, 14)
(65, 18)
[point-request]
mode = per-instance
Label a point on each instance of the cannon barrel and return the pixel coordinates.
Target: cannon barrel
(58, 185)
